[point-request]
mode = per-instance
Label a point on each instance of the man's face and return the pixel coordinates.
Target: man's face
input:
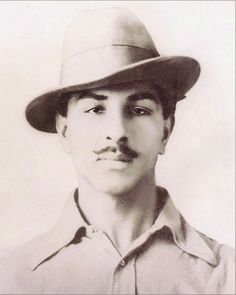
(114, 135)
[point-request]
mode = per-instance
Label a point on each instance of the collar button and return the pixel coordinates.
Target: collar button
(122, 263)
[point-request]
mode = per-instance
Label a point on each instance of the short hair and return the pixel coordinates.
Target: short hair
(167, 100)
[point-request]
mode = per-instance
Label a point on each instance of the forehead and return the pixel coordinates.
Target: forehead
(131, 91)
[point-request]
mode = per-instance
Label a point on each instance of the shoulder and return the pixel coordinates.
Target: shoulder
(225, 254)
(223, 276)
(16, 267)
(23, 254)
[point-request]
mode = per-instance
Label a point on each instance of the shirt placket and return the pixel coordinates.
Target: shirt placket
(123, 279)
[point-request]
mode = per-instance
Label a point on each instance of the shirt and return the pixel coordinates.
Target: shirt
(76, 258)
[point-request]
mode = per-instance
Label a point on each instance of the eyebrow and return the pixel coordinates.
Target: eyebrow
(132, 98)
(144, 95)
(89, 94)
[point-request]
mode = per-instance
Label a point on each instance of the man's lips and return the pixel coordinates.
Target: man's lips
(113, 157)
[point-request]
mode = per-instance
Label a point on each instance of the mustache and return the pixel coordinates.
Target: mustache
(124, 149)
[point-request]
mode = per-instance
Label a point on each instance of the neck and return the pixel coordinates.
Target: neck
(122, 217)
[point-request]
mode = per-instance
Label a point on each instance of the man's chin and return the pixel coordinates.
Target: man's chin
(113, 186)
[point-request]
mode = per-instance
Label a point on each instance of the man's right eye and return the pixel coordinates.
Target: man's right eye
(99, 110)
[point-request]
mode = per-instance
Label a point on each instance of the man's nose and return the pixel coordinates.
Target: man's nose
(117, 128)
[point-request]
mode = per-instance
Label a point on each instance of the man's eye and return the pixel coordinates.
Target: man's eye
(96, 110)
(140, 111)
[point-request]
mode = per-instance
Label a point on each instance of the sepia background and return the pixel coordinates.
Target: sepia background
(36, 176)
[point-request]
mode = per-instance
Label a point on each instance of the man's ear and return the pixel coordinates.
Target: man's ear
(61, 127)
(167, 129)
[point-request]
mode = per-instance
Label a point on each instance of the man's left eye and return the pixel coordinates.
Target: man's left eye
(140, 111)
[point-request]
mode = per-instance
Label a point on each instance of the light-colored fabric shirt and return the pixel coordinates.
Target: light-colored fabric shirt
(76, 258)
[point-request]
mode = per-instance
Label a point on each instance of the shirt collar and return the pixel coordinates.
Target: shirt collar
(184, 235)
(68, 224)
(71, 221)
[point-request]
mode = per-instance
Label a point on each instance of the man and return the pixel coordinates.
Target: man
(119, 233)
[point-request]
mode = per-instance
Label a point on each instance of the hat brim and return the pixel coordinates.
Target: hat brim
(176, 73)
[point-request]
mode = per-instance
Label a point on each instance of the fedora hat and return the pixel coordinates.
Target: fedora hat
(105, 47)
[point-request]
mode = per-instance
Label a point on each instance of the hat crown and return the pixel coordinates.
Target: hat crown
(106, 27)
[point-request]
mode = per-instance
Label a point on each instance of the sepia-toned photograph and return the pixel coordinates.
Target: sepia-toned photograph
(117, 167)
